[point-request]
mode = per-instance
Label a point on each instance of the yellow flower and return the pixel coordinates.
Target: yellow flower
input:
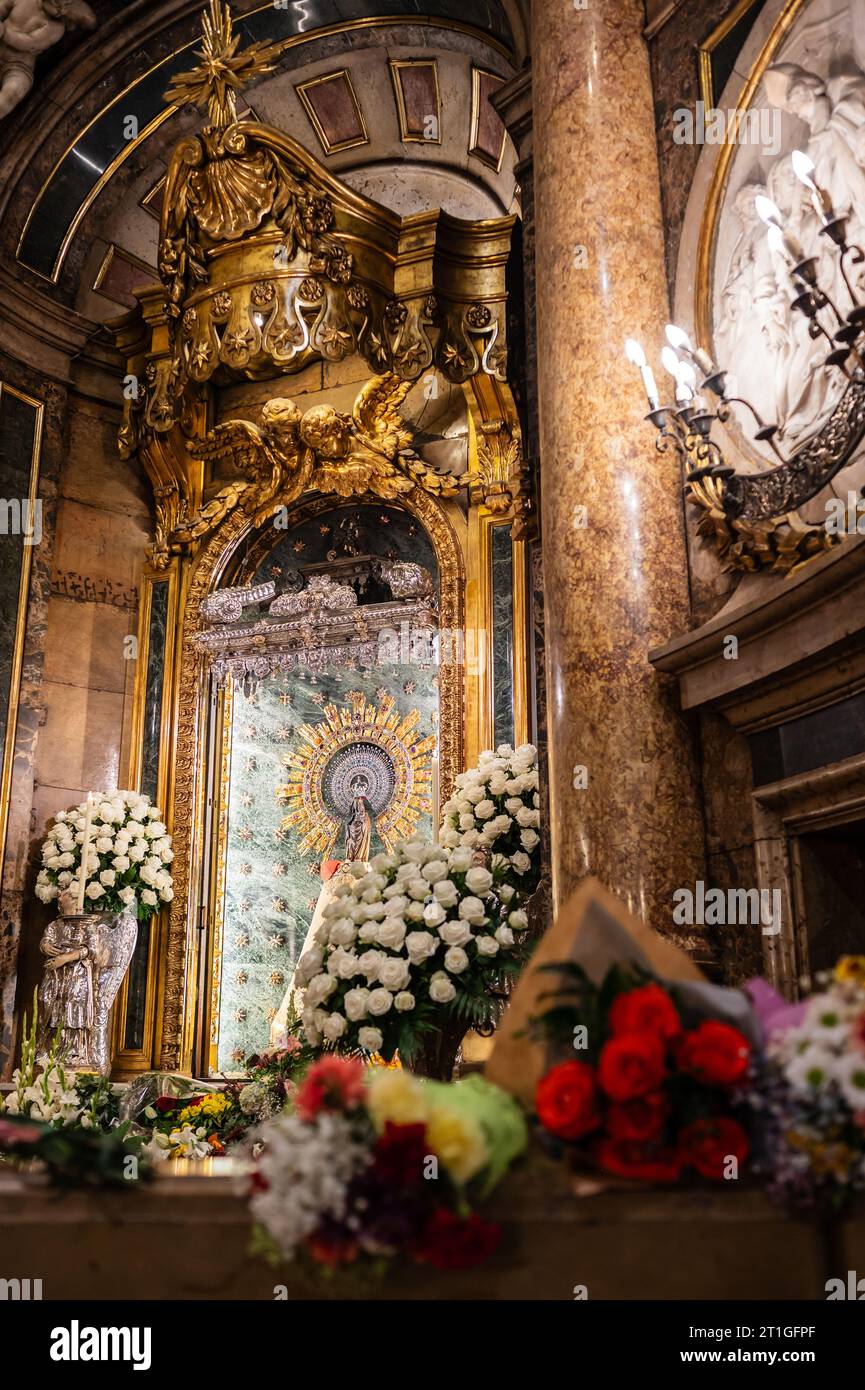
(458, 1141)
(396, 1096)
(214, 1104)
(850, 969)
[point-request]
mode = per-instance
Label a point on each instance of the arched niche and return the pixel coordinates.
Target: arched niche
(212, 734)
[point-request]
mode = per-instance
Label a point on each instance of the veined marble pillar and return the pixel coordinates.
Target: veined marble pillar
(615, 569)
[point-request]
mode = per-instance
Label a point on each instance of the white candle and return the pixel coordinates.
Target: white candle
(635, 354)
(434, 800)
(803, 167)
(85, 847)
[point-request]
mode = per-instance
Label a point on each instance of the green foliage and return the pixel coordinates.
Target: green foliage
(75, 1157)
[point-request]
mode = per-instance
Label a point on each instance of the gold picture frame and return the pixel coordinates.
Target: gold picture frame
(21, 615)
(303, 90)
(407, 136)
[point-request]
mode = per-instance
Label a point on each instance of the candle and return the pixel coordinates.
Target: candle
(682, 373)
(635, 354)
(85, 848)
(678, 338)
(780, 240)
(803, 167)
(434, 800)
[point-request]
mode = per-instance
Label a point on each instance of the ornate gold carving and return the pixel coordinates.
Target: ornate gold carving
(498, 463)
(369, 451)
(363, 722)
(780, 545)
(223, 71)
(257, 261)
(503, 478)
(211, 568)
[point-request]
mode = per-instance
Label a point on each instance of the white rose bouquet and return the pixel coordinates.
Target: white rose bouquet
(129, 851)
(431, 933)
(495, 808)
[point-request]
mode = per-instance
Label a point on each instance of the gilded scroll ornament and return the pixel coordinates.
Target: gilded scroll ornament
(779, 544)
(369, 451)
(499, 457)
(375, 741)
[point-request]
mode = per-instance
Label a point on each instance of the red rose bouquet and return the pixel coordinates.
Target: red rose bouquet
(650, 1092)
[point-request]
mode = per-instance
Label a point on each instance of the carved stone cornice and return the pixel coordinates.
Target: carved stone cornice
(514, 103)
(800, 645)
(56, 340)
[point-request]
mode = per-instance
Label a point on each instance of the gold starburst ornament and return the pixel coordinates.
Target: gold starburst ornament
(223, 71)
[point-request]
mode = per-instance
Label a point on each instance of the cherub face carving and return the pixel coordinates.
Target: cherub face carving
(326, 431)
(280, 418)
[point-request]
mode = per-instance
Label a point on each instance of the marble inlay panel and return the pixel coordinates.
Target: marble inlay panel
(18, 425)
(503, 634)
(153, 689)
(271, 888)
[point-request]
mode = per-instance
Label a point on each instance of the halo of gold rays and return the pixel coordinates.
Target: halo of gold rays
(223, 72)
(360, 721)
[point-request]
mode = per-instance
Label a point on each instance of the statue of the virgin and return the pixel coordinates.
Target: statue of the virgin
(359, 827)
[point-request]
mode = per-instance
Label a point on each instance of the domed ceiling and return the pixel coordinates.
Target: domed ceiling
(396, 103)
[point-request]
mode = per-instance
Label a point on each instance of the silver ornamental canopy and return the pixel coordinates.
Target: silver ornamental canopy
(252, 632)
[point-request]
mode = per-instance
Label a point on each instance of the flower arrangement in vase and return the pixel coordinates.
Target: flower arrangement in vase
(415, 950)
(128, 853)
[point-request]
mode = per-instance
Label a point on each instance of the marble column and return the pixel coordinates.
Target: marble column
(615, 569)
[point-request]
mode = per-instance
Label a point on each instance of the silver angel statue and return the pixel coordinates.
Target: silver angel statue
(86, 957)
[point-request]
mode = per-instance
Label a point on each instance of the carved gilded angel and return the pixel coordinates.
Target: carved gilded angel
(367, 451)
(272, 462)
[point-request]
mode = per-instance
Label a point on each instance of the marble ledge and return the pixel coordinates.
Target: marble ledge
(190, 1234)
(801, 644)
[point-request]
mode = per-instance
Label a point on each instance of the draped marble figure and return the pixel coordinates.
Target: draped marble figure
(28, 28)
(758, 337)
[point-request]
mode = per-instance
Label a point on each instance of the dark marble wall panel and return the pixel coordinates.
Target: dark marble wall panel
(503, 634)
(153, 696)
(737, 951)
(20, 529)
(136, 996)
(16, 902)
(676, 83)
